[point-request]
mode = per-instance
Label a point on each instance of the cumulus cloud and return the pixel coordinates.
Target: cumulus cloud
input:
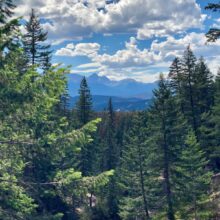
(174, 47)
(82, 49)
(74, 19)
(143, 64)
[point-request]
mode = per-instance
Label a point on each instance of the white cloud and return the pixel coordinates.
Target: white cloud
(82, 49)
(74, 19)
(85, 71)
(143, 64)
(217, 23)
(174, 47)
(88, 65)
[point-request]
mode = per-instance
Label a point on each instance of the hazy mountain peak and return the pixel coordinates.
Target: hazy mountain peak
(102, 85)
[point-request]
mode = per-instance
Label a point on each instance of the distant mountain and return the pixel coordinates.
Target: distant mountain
(103, 86)
(119, 104)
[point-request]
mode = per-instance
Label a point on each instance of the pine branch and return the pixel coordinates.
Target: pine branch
(11, 142)
(212, 6)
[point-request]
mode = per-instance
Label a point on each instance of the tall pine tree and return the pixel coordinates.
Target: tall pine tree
(136, 176)
(188, 65)
(84, 104)
(111, 156)
(204, 87)
(210, 130)
(195, 180)
(6, 10)
(37, 51)
(176, 81)
(168, 130)
(84, 114)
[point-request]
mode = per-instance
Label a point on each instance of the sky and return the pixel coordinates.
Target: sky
(121, 39)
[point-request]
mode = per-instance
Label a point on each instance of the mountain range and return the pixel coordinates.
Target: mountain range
(127, 94)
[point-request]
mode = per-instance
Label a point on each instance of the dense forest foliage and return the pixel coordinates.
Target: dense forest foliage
(61, 163)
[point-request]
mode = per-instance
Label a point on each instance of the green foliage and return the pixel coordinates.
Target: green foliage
(136, 174)
(214, 33)
(210, 130)
(34, 43)
(196, 180)
(84, 104)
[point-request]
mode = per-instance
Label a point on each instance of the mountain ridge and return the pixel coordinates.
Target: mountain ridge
(102, 85)
(100, 103)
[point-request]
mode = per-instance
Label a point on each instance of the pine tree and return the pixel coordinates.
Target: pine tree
(6, 10)
(135, 173)
(195, 180)
(210, 129)
(84, 104)
(168, 130)
(176, 81)
(63, 107)
(84, 114)
(204, 87)
(111, 156)
(35, 48)
(9, 30)
(188, 65)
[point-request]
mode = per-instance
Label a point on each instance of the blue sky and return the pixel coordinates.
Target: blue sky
(125, 38)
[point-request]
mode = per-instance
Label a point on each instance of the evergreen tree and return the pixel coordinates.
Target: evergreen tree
(192, 83)
(204, 87)
(210, 129)
(195, 180)
(6, 10)
(168, 130)
(188, 65)
(135, 174)
(176, 81)
(84, 114)
(35, 48)
(9, 31)
(63, 106)
(111, 156)
(84, 104)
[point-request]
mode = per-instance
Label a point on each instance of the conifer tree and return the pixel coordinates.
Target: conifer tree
(192, 83)
(111, 156)
(210, 130)
(204, 87)
(110, 139)
(176, 81)
(35, 48)
(135, 173)
(63, 107)
(188, 65)
(6, 10)
(195, 180)
(84, 114)
(168, 130)
(8, 30)
(84, 104)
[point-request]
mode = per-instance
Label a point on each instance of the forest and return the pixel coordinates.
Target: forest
(58, 163)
